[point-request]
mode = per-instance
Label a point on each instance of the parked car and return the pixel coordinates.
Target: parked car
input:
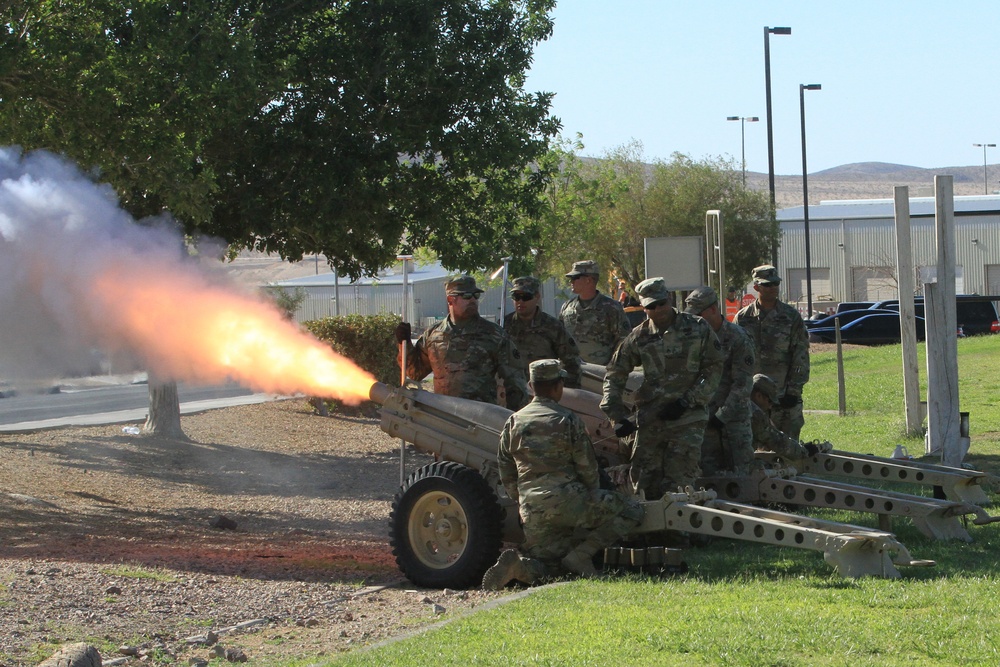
(874, 328)
(976, 314)
(845, 317)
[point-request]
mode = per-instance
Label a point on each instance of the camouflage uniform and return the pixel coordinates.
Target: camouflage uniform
(683, 361)
(731, 448)
(547, 464)
(768, 438)
(467, 359)
(597, 326)
(782, 343)
(544, 337)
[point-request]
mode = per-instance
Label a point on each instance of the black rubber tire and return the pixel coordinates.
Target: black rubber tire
(446, 526)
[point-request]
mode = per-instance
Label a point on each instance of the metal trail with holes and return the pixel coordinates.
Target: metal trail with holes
(467, 433)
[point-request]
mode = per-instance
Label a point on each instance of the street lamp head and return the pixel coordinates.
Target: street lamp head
(810, 86)
(737, 118)
(778, 31)
(751, 119)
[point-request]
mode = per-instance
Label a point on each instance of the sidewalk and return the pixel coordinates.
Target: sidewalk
(133, 416)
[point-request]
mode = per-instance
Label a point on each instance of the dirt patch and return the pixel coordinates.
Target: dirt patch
(111, 538)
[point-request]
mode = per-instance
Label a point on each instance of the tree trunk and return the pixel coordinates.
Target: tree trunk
(164, 410)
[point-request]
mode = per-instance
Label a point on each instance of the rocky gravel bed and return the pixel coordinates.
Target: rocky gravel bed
(261, 538)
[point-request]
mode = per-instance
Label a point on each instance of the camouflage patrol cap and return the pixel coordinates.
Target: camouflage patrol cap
(546, 370)
(587, 267)
(766, 386)
(526, 284)
(461, 285)
(699, 299)
(765, 275)
(651, 291)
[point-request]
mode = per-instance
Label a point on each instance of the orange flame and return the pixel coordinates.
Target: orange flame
(190, 329)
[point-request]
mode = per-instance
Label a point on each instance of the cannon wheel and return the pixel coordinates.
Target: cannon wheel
(446, 526)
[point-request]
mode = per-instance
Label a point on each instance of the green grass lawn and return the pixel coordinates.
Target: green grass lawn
(746, 604)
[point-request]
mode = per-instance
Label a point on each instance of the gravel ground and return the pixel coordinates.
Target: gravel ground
(112, 539)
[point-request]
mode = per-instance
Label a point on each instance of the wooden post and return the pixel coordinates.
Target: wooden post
(942, 339)
(907, 312)
(841, 388)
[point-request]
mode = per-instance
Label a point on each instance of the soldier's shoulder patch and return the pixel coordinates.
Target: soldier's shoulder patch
(718, 345)
(748, 360)
(515, 353)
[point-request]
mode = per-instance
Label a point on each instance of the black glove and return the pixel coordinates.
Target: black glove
(673, 410)
(403, 332)
(624, 428)
(811, 448)
(716, 423)
(789, 400)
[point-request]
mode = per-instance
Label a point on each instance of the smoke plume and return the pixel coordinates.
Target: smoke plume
(79, 277)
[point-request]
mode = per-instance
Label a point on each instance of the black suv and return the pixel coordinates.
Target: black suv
(976, 314)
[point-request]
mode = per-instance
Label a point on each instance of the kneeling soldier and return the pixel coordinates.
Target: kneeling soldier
(547, 464)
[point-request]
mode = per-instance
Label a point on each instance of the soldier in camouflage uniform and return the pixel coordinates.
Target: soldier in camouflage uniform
(595, 321)
(728, 444)
(766, 436)
(681, 360)
(465, 352)
(538, 335)
(547, 464)
(782, 345)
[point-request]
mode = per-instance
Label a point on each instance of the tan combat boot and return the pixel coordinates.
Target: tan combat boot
(509, 567)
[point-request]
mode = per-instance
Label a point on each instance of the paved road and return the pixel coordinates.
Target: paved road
(89, 403)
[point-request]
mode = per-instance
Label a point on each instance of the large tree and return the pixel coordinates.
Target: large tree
(337, 127)
(351, 128)
(603, 209)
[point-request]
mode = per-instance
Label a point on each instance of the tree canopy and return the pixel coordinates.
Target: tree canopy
(352, 128)
(603, 209)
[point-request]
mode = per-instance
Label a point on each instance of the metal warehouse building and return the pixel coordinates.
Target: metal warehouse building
(853, 248)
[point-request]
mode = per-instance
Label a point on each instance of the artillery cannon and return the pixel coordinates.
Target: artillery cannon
(936, 518)
(450, 518)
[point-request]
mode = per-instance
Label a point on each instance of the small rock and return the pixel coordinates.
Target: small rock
(125, 649)
(198, 662)
(113, 590)
(235, 655)
(427, 600)
(438, 610)
(222, 523)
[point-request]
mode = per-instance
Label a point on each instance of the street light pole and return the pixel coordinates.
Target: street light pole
(743, 140)
(803, 87)
(986, 187)
(770, 130)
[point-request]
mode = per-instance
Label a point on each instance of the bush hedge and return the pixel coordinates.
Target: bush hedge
(367, 340)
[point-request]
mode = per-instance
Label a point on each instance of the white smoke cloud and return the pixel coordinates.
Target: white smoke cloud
(58, 230)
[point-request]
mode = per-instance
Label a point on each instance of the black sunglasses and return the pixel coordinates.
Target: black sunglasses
(521, 296)
(655, 305)
(469, 296)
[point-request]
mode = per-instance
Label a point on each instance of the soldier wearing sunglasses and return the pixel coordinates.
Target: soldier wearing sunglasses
(539, 335)
(681, 360)
(465, 352)
(595, 321)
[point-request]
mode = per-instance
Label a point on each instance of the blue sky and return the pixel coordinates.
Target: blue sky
(913, 83)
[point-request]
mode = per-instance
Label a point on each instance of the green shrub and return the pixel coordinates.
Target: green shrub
(367, 340)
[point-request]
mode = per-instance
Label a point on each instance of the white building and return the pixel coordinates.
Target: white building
(853, 248)
(328, 296)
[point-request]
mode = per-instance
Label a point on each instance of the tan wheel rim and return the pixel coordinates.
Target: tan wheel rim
(438, 530)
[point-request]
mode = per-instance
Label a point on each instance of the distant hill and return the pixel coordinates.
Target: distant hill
(872, 180)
